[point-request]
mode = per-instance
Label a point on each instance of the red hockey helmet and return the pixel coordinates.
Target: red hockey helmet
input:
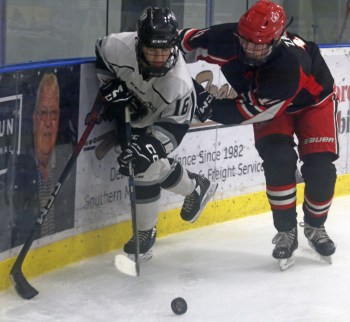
(263, 23)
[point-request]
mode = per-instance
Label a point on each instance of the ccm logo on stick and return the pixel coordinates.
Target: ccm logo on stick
(318, 140)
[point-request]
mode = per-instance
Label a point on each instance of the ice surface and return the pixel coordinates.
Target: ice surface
(225, 272)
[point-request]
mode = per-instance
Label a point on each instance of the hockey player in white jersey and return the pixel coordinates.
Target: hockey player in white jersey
(144, 70)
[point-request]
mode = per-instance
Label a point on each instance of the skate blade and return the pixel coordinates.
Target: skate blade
(326, 259)
(208, 195)
(143, 258)
(285, 263)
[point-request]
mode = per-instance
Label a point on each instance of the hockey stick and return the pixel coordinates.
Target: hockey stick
(20, 283)
(109, 141)
(123, 263)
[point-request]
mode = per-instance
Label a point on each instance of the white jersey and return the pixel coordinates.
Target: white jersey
(170, 99)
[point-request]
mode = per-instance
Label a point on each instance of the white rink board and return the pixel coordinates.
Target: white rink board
(223, 154)
(101, 197)
(338, 60)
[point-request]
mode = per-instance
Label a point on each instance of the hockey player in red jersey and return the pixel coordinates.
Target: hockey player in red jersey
(284, 89)
(144, 70)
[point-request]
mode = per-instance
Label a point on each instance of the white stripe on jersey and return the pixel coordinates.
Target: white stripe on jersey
(266, 115)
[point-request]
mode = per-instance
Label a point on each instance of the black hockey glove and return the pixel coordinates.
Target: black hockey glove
(116, 96)
(204, 99)
(142, 151)
(115, 110)
(113, 94)
(115, 91)
(137, 108)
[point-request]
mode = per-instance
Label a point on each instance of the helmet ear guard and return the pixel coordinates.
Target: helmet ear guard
(156, 28)
(262, 25)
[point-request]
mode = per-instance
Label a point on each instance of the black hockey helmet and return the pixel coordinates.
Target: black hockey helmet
(157, 28)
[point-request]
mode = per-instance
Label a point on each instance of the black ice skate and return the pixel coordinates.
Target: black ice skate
(198, 199)
(286, 243)
(319, 241)
(147, 239)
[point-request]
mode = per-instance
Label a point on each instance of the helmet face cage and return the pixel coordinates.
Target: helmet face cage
(157, 28)
(260, 30)
(255, 54)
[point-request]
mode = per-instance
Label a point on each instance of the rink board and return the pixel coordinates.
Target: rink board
(224, 154)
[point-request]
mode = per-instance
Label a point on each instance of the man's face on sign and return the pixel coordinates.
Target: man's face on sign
(46, 120)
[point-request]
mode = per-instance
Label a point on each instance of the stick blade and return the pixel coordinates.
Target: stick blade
(22, 286)
(126, 265)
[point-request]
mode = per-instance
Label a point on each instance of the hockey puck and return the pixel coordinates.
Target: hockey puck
(179, 306)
